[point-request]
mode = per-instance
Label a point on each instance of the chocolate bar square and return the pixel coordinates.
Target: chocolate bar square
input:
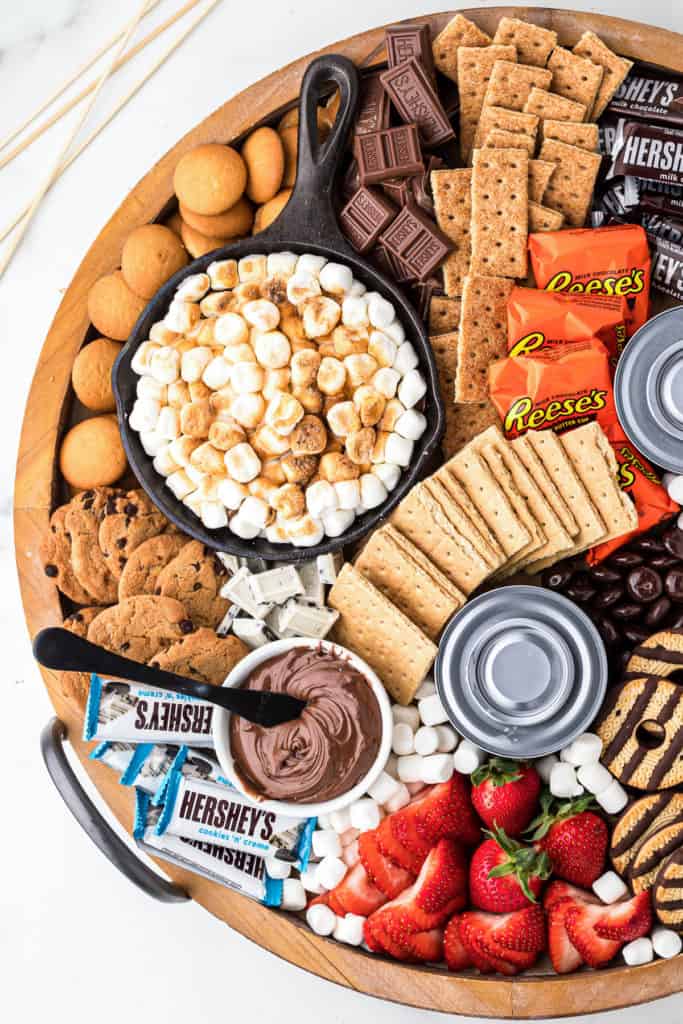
(416, 241)
(393, 153)
(367, 214)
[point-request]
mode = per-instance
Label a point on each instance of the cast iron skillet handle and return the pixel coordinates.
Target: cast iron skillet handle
(92, 822)
(309, 215)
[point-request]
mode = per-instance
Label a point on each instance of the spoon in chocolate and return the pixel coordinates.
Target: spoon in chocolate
(62, 650)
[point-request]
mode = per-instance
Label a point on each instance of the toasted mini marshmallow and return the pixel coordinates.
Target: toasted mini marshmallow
(331, 376)
(281, 264)
(412, 388)
(248, 410)
(145, 414)
(361, 369)
(411, 425)
(276, 534)
(217, 373)
(305, 532)
(208, 459)
(309, 437)
(396, 331)
(195, 475)
(291, 325)
(223, 274)
(272, 350)
(213, 515)
(231, 329)
(178, 394)
(193, 501)
(343, 419)
(198, 391)
(336, 279)
(168, 423)
(232, 493)
(268, 443)
(380, 311)
(355, 311)
(382, 348)
(141, 361)
(337, 467)
(304, 367)
(251, 269)
(220, 402)
(246, 291)
(283, 413)
(276, 380)
(272, 470)
(388, 474)
(180, 484)
(386, 381)
(164, 463)
(148, 387)
(194, 362)
(161, 334)
(205, 333)
(289, 501)
(217, 304)
(379, 451)
(310, 398)
(394, 410)
(399, 450)
(302, 286)
(310, 264)
(299, 469)
(350, 341)
(196, 418)
(193, 288)
(320, 496)
(242, 353)
(181, 450)
(164, 365)
(337, 521)
(370, 404)
(261, 314)
(262, 487)
(246, 378)
(320, 316)
(242, 463)
(406, 359)
(181, 316)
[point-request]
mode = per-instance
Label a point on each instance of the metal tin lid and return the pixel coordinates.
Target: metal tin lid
(521, 671)
(648, 389)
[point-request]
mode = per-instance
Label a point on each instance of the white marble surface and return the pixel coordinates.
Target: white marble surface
(66, 917)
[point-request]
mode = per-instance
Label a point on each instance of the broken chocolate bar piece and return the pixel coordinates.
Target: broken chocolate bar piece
(373, 108)
(393, 153)
(398, 190)
(417, 242)
(367, 214)
(407, 41)
(417, 102)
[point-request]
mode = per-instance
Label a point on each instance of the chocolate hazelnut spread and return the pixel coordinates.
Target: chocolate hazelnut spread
(328, 749)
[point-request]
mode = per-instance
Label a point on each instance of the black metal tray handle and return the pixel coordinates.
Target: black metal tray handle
(93, 823)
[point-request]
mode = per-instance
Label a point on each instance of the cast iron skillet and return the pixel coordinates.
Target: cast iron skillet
(307, 224)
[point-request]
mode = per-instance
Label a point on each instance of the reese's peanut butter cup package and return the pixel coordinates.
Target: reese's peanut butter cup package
(538, 319)
(596, 261)
(567, 386)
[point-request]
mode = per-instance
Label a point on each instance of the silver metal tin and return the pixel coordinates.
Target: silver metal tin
(648, 389)
(521, 671)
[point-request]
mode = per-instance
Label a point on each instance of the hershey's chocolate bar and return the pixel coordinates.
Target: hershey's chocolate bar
(417, 102)
(649, 94)
(393, 153)
(663, 227)
(407, 41)
(667, 266)
(417, 242)
(651, 152)
(367, 214)
(373, 109)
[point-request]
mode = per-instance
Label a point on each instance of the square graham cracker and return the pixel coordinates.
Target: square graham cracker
(483, 334)
(464, 420)
(550, 106)
(593, 459)
(500, 226)
(542, 218)
(499, 139)
(380, 633)
(540, 173)
(457, 505)
(526, 453)
(475, 65)
(409, 580)
(507, 121)
(460, 31)
(452, 191)
(444, 314)
(614, 68)
(575, 78)
(510, 84)
(570, 189)
(583, 135)
(534, 44)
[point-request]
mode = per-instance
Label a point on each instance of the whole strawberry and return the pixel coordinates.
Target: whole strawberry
(506, 875)
(505, 793)
(574, 837)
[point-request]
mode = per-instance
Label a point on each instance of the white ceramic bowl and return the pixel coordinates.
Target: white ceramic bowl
(221, 727)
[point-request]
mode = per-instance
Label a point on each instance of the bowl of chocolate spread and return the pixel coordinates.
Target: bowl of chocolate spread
(326, 758)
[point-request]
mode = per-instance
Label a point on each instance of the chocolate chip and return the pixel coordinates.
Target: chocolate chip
(186, 626)
(197, 586)
(88, 504)
(75, 617)
(51, 571)
(110, 507)
(674, 585)
(657, 612)
(124, 646)
(130, 509)
(89, 494)
(644, 585)
(121, 542)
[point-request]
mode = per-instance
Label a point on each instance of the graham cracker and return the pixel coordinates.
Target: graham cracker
(381, 634)
(550, 451)
(540, 173)
(583, 135)
(510, 84)
(460, 31)
(500, 225)
(595, 463)
(465, 517)
(534, 44)
(507, 121)
(499, 139)
(570, 189)
(550, 106)
(614, 68)
(421, 519)
(444, 314)
(488, 496)
(409, 580)
(524, 450)
(542, 218)
(574, 77)
(483, 334)
(452, 191)
(464, 420)
(475, 65)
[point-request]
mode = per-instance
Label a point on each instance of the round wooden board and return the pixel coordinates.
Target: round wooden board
(36, 485)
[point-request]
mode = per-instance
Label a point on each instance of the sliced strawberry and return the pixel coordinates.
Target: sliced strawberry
(512, 956)
(564, 956)
(626, 921)
(387, 876)
(350, 854)
(405, 830)
(580, 923)
(455, 952)
(445, 812)
(322, 898)
(439, 890)
(369, 936)
(557, 891)
(334, 903)
(356, 894)
(521, 930)
(383, 942)
(428, 946)
(488, 927)
(476, 955)
(392, 848)
(474, 936)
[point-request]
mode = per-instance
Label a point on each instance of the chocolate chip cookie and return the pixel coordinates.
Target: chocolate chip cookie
(140, 627)
(79, 622)
(126, 523)
(194, 577)
(55, 554)
(89, 564)
(144, 564)
(202, 656)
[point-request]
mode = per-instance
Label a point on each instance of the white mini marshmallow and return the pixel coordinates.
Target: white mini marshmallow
(437, 768)
(194, 502)
(193, 288)
(638, 952)
(399, 799)
(242, 463)
(585, 749)
(293, 895)
(347, 494)
(326, 843)
(194, 362)
(432, 711)
(396, 331)
(245, 378)
(675, 489)
(358, 288)
(148, 387)
(355, 311)
(222, 274)
(273, 350)
(255, 511)
(330, 872)
(277, 868)
(213, 515)
(152, 442)
(402, 741)
(386, 381)
(307, 532)
(544, 766)
(251, 269)
(180, 484)
(426, 741)
(281, 264)
(410, 715)
(610, 887)
(164, 365)
(336, 279)
(447, 738)
(164, 463)
(349, 929)
(412, 388)
(302, 286)
(613, 799)
(181, 316)
(372, 491)
(337, 521)
(411, 424)
(340, 821)
(594, 777)
(217, 373)
(261, 314)
(383, 349)
(141, 361)
(388, 473)
(426, 689)
(320, 497)
(242, 528)
(232, 494)
(383, 788)
(308, 263)
(563, 781)
(398, 450)
(168, 424)
(145, 414)
(320, 919)
(406, 359)
(468, 757)
(410, 768)
(380, 311)
(309, 881)
(231, 329)
(666, 942)
(365, 814)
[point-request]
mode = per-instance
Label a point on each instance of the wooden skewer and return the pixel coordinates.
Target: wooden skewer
(86, 90)
(54, 170)
(69, 82)
(119, 106)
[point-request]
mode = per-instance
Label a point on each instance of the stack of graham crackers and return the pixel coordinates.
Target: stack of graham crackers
(496, 508)
(528, 131)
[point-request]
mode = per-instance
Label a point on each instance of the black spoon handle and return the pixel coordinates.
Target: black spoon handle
(60, 649)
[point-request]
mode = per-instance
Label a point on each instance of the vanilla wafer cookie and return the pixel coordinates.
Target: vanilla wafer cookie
(660, 655)
(667, 895)
(638, 820)
(614, 68)
(533, 43)
(653, 850)
(575, 77)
